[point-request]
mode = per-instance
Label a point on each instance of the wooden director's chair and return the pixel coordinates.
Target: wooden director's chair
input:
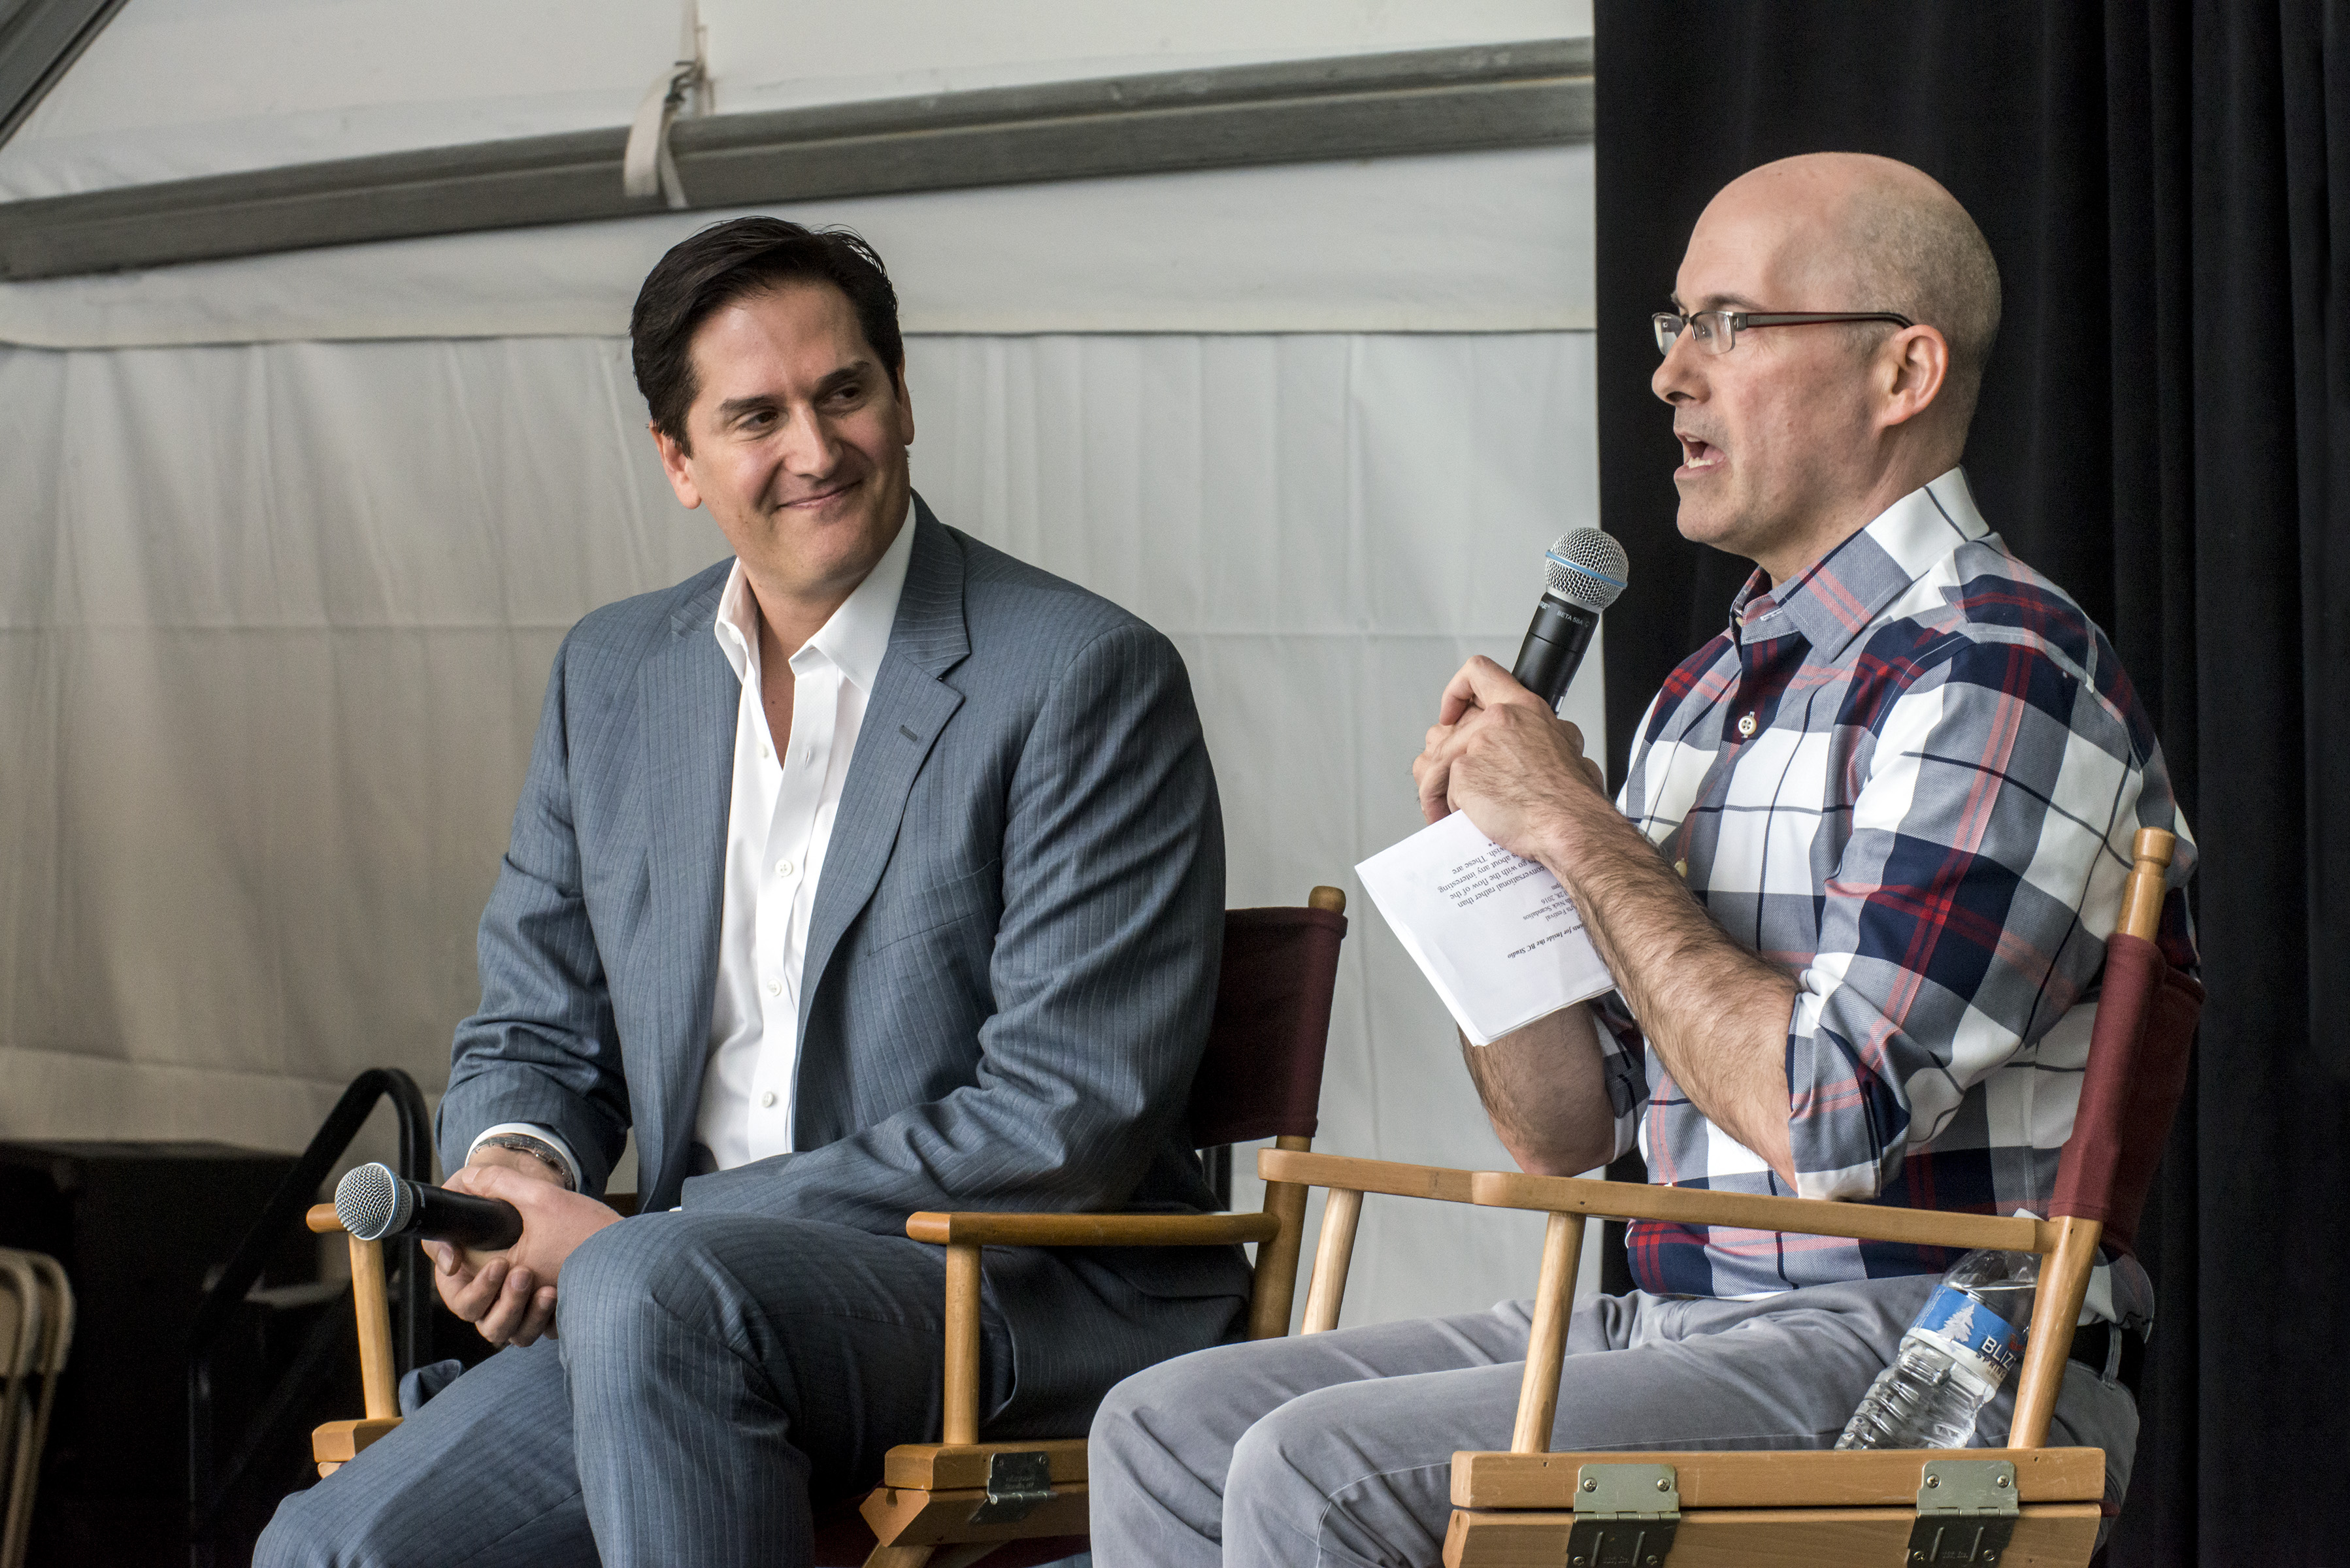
(950, 1504)
(2020, 1505)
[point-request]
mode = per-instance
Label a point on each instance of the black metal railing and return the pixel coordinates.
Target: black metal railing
(209, 1488)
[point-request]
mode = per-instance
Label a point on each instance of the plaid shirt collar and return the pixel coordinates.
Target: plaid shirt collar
(1839, 595)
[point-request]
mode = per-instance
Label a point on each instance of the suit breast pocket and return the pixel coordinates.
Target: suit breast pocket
(900, 915)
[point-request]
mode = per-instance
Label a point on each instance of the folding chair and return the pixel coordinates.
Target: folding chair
(950, 1503)
(2022, 1504)
(20, 1351)
(37, 1322)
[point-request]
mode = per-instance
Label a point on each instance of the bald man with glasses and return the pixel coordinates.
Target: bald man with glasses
(1854, 893)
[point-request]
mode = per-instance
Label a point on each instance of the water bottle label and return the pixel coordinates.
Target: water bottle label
(1959, 1319)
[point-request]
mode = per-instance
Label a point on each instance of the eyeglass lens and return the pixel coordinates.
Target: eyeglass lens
(1711, 330)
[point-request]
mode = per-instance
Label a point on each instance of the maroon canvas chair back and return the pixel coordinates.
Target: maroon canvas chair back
(1261, 1074)
(1261, 1077)
(2139, 1054)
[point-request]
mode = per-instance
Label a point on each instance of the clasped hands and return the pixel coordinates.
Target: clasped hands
(1498, 753)
(509, 1295)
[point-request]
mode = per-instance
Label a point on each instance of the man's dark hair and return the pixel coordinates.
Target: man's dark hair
(730, 261)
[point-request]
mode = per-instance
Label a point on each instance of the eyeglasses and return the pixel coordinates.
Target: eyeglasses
(1716, 331)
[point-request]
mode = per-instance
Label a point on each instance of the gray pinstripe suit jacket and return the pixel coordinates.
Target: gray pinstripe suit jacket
(1011, 961)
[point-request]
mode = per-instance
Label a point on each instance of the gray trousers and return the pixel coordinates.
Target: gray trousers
(1338, 1448)
(715, 1376)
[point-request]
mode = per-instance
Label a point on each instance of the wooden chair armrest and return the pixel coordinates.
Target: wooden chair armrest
(991, 1229)
(1349, 1174)
(1753, 1211)
(963, 1234)
(338, 1442)
(1811, 1478)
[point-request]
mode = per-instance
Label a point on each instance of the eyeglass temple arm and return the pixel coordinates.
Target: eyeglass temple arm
(1804, 317)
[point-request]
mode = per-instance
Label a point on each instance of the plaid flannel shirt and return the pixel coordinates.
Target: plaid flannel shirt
(1911, 775)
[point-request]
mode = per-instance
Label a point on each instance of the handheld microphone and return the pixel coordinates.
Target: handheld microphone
(375, 1204)
(1583, 572)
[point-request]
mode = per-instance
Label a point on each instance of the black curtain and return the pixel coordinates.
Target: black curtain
(2165, 430)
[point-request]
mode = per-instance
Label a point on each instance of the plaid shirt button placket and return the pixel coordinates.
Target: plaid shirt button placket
(1911, 775)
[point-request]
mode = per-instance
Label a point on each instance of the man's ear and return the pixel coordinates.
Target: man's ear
(1914, 365)
(681, 478)
(905, 408)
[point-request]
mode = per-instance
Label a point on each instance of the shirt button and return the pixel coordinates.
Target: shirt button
(1746, 725)
(774, 988)
(782, 867)
(767, 1099)
(766, 750)
(807, 755)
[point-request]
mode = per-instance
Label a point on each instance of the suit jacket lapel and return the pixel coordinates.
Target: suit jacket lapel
(687, 703)
(909, 708)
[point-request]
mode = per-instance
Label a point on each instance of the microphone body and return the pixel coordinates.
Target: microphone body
(1555, 642)
(375, 1203)
(1583, 573)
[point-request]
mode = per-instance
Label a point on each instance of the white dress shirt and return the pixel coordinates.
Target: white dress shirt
(778, 826)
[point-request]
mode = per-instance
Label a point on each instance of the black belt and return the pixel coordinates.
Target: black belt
(2093, 1347)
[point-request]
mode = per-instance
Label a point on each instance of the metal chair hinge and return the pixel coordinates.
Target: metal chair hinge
(1967, 1511)
(1016, 1483)
(1624, 1516)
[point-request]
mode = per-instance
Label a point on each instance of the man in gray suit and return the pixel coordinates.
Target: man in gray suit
(872, 871)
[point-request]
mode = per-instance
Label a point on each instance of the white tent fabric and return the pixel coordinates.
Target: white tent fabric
(172, 90)
(1464, 242)
(179, 88)
(275, 622)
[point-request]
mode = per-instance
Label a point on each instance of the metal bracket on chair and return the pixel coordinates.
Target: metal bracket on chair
(1967, 1511)
(1016, 1483)
(1624, 1516)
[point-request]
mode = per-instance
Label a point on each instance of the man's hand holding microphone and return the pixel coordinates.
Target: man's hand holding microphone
(498, 1232)
(1498, 748)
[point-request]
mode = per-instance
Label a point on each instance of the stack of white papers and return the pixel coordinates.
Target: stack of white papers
(1496, 935)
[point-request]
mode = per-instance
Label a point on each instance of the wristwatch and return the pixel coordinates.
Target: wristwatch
(538, 1149)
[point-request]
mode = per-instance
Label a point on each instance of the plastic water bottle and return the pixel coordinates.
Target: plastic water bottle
(1965, 1341)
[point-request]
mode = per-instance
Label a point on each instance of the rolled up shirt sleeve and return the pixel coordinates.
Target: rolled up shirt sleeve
(1966, 913)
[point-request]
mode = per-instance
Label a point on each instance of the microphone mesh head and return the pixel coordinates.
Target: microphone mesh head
(1586, 567)
(371, 1203)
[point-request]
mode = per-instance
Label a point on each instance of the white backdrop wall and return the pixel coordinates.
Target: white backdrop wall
(287, 543)
(275, 622)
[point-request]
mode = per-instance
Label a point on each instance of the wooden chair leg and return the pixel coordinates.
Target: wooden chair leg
(1276, 1261)
(2064, 1285)
(1546, 1347)
(374, 1311)
(959, 1419)
(1332, 1255)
